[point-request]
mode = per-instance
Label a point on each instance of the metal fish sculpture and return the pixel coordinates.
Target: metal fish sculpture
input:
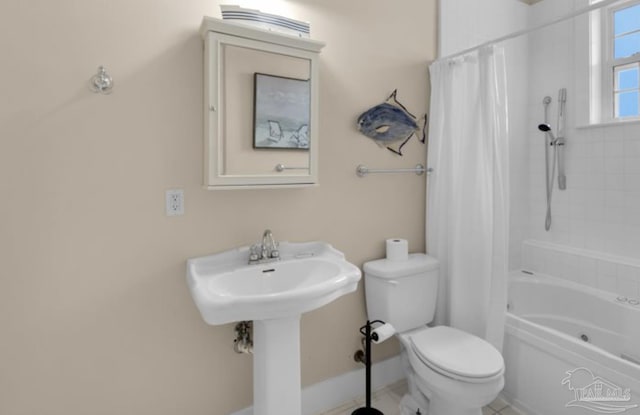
(390, 124)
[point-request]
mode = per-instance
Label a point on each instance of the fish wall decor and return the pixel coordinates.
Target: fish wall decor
(391, 125)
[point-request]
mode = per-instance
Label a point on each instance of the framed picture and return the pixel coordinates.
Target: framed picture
(281, 112)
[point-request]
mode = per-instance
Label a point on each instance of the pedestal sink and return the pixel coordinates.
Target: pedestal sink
(308, 276)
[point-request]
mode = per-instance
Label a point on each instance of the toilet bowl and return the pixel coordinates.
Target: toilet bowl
(460, 375)
(451, 371)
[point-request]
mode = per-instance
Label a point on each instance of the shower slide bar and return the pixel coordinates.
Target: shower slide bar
(419, 169)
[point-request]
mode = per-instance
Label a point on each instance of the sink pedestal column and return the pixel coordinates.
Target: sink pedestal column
(276, 366)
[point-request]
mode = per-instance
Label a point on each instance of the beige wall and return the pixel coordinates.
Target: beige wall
(95, 316)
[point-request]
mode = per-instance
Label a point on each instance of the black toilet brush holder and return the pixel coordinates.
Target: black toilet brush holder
(369, 336)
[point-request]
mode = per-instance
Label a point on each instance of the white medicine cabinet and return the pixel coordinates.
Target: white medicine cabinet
(260, 107)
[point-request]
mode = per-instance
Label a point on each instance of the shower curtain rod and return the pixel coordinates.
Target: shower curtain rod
(568, 16)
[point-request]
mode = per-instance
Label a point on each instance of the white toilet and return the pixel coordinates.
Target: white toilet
(457, 372)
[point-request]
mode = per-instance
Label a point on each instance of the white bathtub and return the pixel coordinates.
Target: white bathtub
(556, 326)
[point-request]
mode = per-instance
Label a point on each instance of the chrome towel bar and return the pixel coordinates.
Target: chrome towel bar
(419, 169)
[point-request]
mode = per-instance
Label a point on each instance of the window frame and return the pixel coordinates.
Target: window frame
(609, 64)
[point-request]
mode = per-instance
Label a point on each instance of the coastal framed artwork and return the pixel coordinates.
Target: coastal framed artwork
(281, 112)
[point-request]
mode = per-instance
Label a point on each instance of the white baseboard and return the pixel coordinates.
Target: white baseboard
(331, 393)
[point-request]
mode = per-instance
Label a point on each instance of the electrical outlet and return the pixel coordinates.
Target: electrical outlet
(174, 202)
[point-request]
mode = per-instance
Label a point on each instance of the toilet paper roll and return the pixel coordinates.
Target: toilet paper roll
(382, 333)
(397, 249)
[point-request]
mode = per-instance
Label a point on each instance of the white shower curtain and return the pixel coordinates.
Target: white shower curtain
(467, 193)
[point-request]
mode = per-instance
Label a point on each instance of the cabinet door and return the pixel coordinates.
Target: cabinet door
(261, 113)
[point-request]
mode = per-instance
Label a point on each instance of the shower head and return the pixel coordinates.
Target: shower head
(544, 128)
(546, 100)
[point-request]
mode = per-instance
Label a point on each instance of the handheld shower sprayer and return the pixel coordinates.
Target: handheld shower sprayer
(546, 128)
(556, 141)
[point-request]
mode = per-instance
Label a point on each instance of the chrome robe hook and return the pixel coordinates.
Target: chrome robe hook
(101, 82)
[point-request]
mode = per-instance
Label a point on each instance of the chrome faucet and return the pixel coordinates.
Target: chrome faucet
(267, 251)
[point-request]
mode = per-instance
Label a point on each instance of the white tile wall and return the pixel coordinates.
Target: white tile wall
(617, 274)
(600, 210)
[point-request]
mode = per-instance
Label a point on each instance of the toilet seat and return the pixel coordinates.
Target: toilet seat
(456, 354)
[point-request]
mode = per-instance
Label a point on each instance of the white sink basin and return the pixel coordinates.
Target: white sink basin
(274, 295)
(309, 275)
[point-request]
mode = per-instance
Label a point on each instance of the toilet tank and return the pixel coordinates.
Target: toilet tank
(402, 293)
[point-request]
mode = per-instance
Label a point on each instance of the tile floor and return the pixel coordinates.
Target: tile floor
(387, 400)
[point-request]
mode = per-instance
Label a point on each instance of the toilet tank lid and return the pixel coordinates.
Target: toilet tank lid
(416, 263)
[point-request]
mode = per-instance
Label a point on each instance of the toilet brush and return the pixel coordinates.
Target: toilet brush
(369, 336)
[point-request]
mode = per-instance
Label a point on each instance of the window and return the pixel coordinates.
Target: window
(621, 61)
(626, 91)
